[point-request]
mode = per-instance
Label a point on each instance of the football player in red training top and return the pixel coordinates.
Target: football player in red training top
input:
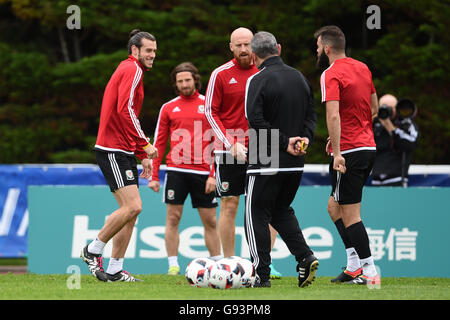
(225, 111)
(351, 103)
(189, 162)
(120, 138)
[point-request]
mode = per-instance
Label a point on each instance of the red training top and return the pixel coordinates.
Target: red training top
(350, 82)
(225, 103)
(191, 138)
(119, 128)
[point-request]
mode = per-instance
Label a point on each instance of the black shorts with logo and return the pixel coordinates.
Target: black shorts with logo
(347, 188)
(118, 168)
(230, 175)
(178, 185)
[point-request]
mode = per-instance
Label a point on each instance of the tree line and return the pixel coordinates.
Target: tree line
(52, 78)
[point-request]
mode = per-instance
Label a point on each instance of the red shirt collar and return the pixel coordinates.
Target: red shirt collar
(138, 62)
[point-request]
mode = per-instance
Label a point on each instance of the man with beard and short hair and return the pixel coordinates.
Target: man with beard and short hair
(351, 103)
(120, 138)
(224, 109)
(188, 171)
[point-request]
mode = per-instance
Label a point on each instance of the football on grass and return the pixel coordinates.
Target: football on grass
(197, 272)
(225, 274)
(248, 273)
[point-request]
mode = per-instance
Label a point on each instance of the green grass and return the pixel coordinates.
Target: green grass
(163, 287)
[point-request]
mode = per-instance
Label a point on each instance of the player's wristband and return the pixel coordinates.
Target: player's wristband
(148, 145)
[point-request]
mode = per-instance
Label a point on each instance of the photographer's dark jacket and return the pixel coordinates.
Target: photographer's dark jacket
(279, 104)
(394, 153)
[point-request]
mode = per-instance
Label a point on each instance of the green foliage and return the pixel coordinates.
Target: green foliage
(23, 75)
(90, 72)
(411, 61)
(49, 107)
(73, 156)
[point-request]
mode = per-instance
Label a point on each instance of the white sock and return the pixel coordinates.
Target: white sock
(368, 267)
(96, 246)
(173, 261)
(216, 258)
(115, 265)
(353, 262)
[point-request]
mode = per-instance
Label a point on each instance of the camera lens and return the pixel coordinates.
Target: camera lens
(406, 109)
(384, 112)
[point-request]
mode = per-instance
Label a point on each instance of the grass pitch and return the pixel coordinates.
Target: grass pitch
(164, 287)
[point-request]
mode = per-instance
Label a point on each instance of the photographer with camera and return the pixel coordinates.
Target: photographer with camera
(396, 136)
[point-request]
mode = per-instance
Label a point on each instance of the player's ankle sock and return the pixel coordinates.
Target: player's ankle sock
(173, 261)
(352, 256)
(115, 265)
(217, 258)
(96, 246)
(368, 267)
(359, 239)
(353, 262)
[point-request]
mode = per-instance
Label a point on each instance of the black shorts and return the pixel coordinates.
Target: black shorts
(230, 177)
(347, 188)
(118, 168)
(178, 185)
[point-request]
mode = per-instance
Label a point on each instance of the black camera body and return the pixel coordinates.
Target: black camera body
(384, 112)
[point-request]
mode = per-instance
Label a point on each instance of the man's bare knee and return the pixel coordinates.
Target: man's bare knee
(210, 223)
(129, 200)
(173, 220)
(133, 209)
(229, 206)
(173, 214)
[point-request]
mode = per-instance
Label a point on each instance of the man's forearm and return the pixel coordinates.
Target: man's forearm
(334, 131)
(388, 125)
(334, 125)
(374, 105)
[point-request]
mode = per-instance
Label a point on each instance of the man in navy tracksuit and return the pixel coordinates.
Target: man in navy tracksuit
(280, 111)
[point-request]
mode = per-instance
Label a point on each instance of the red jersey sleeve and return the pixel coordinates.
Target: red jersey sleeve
(125, 108)
(162, 132)
(213, 103)
(329, 85)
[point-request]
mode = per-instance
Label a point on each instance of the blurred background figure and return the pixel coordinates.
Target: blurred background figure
(396, 136)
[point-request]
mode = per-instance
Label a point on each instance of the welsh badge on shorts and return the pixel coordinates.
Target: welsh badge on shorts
(170, 194)
(129, 174)
(225, 186)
